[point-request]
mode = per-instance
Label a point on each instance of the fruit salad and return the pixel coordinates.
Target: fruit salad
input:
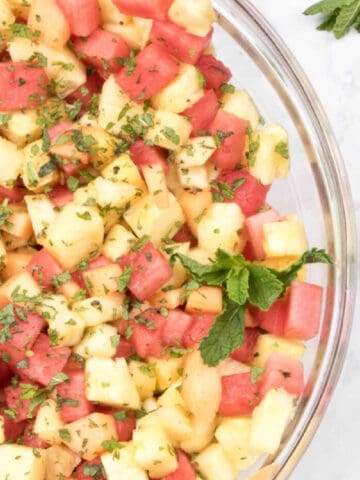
(154, 307)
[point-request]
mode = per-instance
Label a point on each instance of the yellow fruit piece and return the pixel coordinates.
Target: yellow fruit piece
(18, 462)
(213, 464)
(267, 344)
(285, 238)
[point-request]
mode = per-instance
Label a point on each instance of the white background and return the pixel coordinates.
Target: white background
(333, 67)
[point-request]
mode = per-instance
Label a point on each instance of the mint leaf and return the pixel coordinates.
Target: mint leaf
(213, 275)
(329, 22)
(341, 15)
(326, 6)
(346, 18)
(237, 285)
(124, 279)
(225, 335)
(264, 287)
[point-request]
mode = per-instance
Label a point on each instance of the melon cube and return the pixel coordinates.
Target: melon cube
(99, 341)
(48, 422)
(213, 464)
(18, 461)
(266, 344)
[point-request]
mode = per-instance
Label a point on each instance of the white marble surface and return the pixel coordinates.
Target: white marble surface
(334, 69)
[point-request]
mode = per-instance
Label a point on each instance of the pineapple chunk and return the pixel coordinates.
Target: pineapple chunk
(240, 104)
(180, 274)
(22, 128)
(201, 388)
(154, 452)
(18, 462)
(66, 80)
(47, 18)
(271, 158)
(285, 238)
(205, 299)
(213, 464)
(202, 435)
(110, 383)
(124, 170)
(268, 343)
(110, 13)
(196, 152)
(155, 179)
(48, 422)
(38, 170)
(170, 299)
(196, 17)
(150, 404)
(269, 421)
(174, 421)
(118, 242)
(181, 93)
(41, 211)
(193, 178)
(97, 310)
(219, 227)
(167, 371)
(99, 341)
(21, 283)
(87, 435)
(65, 326)
(233, 434)
(135, 31)
(144, 377)
(115, 107)
(77, 233)
(172, 396)
(60, 462)
(11, 162)
(103, 280)
(121, 464)
(170, 130)
(146, 218)
(6, 15)
(114, 195)
(103, 150)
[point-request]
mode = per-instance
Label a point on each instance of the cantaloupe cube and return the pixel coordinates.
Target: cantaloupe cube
(77, 232)
(48, 422)
(97, 310)
(123, 170)
(172, 396)
(99, 341)
(269, 164)
(101, 281)
(194, 205)
(87, 435)
(11, 161)
(240, 104)
(196, 17)
(18, 461)
(268, 343)
(118, 242)
(185, 90)
(110, 383)
(213, 464)
(285, 238)
(121, 464)
(196, 152)
(60, 461)
(170, 130)
(205, 299)
(22, 127)
(41, 211)
(154, 452)
(167, 371)
(146, 218)
(170, 299)
(144, 377)
(15, 261)
(269, 421)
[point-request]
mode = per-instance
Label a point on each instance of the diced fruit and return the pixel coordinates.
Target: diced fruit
(118, 242)
(266, 344)
(170, 130)
(205, 299)
(172, 396)
(44, 268)
(15, 402)
(144, 378)
(214, 71)
(143, 154)
(46, 18)
(273, 321)
(197, 18)
(60, 196)
(20, 283)
(83, 16)
(11, 159)
(72, 397)
(202, 435)
(110, 383)
(22, 128)
(202, 113)
(31, 467)
(123, 460)
(31, 439)
(147, 334)
(245, 353)
(196, 152)
(269, 421)
(282, 372)
(103, 280)
(239, 395)
(143, 8)
(124, 170)
(96, 310)
(285, 238)
(60, 461)
(185, 469)
(168, 370)
(11, 429)
(99, 341)
(304, 311)
(214, 464)
(255, 230)
(48, 422)
(239, 103)
(176, 325)
(41, 211)
(5, 373)
(194, 204)
(202, 322)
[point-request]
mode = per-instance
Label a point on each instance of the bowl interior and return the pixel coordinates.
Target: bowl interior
(316, 190)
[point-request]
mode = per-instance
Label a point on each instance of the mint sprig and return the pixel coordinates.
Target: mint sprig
(340, 15)
(244, 284)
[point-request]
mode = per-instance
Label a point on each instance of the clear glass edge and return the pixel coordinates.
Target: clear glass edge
(335, 179)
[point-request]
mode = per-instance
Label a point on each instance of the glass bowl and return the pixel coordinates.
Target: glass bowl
(317, 190)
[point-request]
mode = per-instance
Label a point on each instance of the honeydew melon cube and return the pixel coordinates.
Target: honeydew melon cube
(154, 452)
(144, 377)
(196, 152)
(41, 211)
(48, 422)
(97, 310)
(18, 461)
(121, 464)
(240, 104)
(219, 227)
(269, 421)
(269, 164)
(146, 218)
(196, 17)
(213, 464)
(285, 238)
(77, 232)
(267, 344)
(109, 382)
(123, 170)
(11, 162)
(185, 90)
(170, 130)
(99, 341)
(60, 461)
(118, 242)
(86, 436)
